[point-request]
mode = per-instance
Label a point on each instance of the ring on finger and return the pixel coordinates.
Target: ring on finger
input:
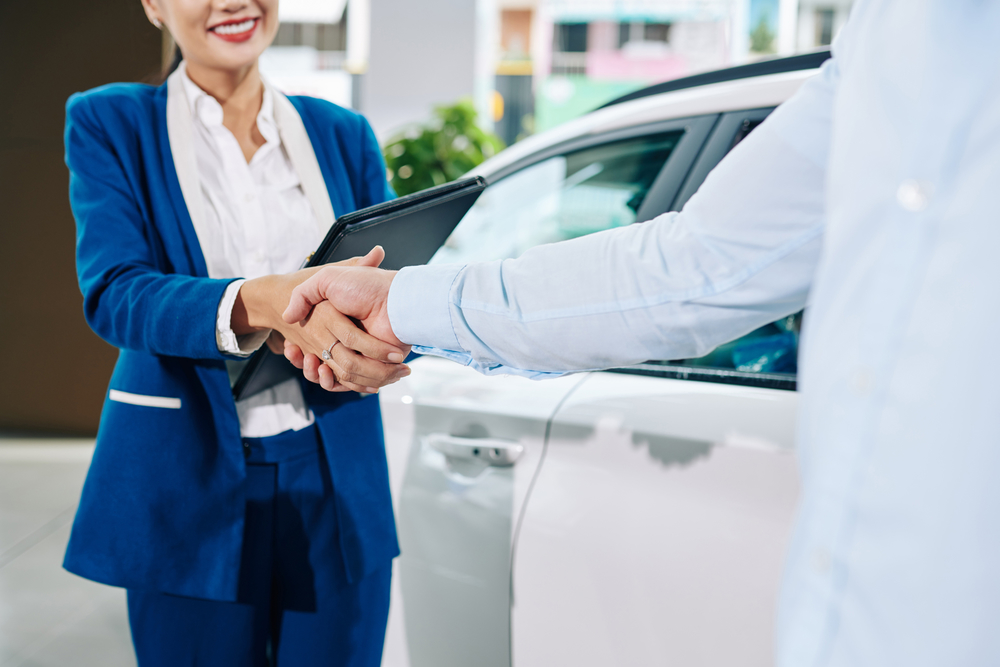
(327, 354)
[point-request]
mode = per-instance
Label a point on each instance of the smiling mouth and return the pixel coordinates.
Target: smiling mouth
(236, 30)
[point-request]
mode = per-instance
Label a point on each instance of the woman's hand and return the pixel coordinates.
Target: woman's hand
(350, 367)
(360, 292)
(276, 343)
(362, 363)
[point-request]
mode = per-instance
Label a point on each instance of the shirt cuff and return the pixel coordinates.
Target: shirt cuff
(419, 306)
(225, 338)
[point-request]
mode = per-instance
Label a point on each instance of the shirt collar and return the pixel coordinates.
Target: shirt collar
(207, 110)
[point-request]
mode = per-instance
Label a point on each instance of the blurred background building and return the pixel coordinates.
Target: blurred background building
(527, 64)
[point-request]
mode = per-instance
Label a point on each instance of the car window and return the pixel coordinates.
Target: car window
(771, 349)
(767, 356)
(601, 187)
(746, 128)
(562, 197)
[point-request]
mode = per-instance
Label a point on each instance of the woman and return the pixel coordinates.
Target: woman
(250, 533)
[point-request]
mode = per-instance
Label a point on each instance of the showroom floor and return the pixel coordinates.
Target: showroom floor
(48, 617)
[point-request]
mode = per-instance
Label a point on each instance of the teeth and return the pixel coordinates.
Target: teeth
(234, 28)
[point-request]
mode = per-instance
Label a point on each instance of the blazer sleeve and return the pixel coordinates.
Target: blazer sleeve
(128, 299)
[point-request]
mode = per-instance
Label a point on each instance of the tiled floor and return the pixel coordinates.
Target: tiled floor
(48, 617)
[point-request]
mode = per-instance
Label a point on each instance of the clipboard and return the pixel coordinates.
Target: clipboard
(410, 229)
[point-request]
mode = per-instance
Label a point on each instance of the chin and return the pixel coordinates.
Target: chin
(234, 61)
(232, 56)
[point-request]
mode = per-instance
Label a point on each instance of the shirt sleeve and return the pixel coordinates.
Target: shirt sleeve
(225, 337)
(742, 253)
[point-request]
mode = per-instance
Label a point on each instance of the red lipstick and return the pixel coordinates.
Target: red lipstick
(236, 30)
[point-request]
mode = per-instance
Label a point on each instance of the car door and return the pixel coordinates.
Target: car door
(655, 531)
(656, 528)
(468, 446)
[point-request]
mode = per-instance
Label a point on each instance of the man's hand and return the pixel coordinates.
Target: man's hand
(360, 292)
(357, 360)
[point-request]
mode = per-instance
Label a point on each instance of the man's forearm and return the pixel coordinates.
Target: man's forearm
(741, 254)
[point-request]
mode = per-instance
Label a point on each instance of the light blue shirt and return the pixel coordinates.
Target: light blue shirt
(873, 197)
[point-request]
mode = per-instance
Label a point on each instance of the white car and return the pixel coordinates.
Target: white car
(630, 517)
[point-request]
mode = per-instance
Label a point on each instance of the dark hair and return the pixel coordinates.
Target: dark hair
(159, 78)
(174, 62)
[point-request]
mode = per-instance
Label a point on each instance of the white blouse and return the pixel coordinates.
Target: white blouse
(258, 222)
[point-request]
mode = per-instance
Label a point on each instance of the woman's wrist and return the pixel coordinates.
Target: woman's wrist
(260, 302)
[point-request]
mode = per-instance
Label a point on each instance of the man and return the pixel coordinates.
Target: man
(870, 198)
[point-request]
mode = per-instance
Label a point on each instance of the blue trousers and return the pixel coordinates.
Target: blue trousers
(295, 607)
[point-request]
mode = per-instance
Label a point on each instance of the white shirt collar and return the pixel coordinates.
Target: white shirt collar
(207, 110)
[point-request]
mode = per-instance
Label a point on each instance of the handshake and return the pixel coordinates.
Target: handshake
(331, 322)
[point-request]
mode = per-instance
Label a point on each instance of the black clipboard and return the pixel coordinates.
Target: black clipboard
(410, 229)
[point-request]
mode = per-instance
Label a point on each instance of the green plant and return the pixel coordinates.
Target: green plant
(440, 151)
(762, 37)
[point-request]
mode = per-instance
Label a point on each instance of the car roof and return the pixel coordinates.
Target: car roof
(731, 94)
(803, 61)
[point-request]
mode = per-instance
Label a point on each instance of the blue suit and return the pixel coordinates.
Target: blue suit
(164, 503)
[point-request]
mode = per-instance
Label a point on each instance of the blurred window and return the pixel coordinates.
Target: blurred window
(824, 26)
(656, 32)
(570, 37)
(624, 34)
(320, 36)
(640, 31)
(515, 34)
(569, 63)
(563, 197)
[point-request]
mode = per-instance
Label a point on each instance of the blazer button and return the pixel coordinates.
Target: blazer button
(246, 448)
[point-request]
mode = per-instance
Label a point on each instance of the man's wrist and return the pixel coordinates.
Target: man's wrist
(418, 305)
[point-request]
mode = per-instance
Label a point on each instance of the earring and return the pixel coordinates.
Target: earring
(158, 23)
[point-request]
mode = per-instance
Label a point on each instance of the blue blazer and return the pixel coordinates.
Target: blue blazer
(163, 503)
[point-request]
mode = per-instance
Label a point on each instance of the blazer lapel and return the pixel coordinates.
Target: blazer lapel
(179, 129)
(303, 158)
(192, 259)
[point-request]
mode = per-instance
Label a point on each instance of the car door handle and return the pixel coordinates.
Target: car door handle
(495, 452)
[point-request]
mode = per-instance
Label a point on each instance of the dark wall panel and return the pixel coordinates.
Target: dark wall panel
(54, 369)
